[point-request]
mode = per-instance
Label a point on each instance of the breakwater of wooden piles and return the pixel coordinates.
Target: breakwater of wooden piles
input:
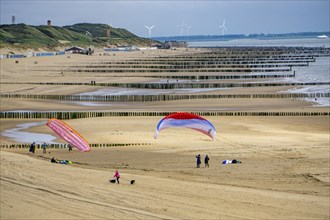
(65, 146)
(230, 59)
(212, 77)
(79, 115)
(202, 85)
(196, 65)
(164, 97)
(270, 50)
(185, 85)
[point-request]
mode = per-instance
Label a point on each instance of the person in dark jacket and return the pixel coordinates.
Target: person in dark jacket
(32, 147)
(206, 161)
(198, 160)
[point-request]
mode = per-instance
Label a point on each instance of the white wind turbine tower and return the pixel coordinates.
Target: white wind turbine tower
(149, 28)
(181, 26)
(188, 27)
(223, 27)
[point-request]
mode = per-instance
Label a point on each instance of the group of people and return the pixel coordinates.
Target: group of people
(199, 161)
(44, 146)
(32, 148)
(206, 161)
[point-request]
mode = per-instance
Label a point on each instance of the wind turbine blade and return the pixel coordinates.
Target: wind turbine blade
(147, 27)
(152, 27)
(225, 28)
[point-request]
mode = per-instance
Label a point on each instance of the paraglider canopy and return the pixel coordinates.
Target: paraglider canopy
(68, 134)
(187, 120)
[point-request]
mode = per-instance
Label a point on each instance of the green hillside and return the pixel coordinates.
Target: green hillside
(118, 36)
(26, 36)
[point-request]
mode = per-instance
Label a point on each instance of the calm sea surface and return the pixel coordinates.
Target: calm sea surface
(319, 71)
(299, 42)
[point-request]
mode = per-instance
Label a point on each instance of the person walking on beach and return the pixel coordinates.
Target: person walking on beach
(198, 160)
(70, 147)
(117, 176)
(32, 147)
(44, 146)
(206, 161)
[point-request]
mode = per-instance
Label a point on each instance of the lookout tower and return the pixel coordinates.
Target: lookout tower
(107, 33)
(49, 23)
(13, 18)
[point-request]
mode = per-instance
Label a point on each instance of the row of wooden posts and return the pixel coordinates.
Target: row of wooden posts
(244, 55)
(276, 50)
(190, 66)
(195, 64)
(211, 77)
(78, 115)
(203, 85)
(65, 146)
(176, 70)
(183, 85)
(195, 61)
(233, 59)
(163, 97)
(194, 77)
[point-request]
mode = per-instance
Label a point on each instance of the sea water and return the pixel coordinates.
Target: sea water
(16, 134)
(317, 71)
(291, 42)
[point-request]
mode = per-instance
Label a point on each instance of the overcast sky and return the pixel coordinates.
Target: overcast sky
(205, 17)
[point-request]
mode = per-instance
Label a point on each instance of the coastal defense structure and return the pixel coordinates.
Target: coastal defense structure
(49, 23)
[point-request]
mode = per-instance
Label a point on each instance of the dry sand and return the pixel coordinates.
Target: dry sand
(284, 172)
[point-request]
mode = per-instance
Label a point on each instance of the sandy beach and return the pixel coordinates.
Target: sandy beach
(284, 172)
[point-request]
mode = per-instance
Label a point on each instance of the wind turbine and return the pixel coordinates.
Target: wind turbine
(149, 28)
(188, 27)
(181, 26)
(223, 27)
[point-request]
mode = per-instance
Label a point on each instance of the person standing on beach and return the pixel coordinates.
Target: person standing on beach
(198, 160)
(70, 147)
(117, 176)
(206, 161)
(32, 147)
(44, 146)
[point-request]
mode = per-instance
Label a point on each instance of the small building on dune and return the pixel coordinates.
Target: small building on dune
(80, 50)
